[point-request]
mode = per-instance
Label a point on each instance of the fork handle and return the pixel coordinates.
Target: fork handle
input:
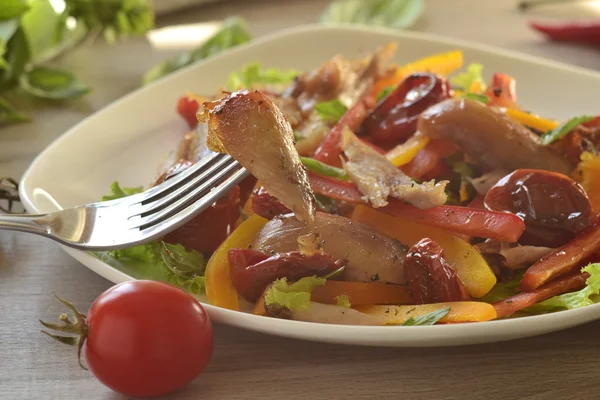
(37, 223)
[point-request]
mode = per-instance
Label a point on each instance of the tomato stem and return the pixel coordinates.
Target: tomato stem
(78, 327)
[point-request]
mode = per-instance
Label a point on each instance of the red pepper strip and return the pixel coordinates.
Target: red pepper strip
(502, 226)
(594, 123)
(523, 300)
(429, 163)
(330, 149)
(583, 32)
(502, 91)
(477, 202)
(335, 189)
(505, 227)
(562, 260)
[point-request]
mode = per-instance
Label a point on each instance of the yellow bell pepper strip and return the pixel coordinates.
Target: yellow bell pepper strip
(441, 64)
(471, 267)
(460, 311)
(405, 152)
(219, 289)
(530, 120)
(588, 175)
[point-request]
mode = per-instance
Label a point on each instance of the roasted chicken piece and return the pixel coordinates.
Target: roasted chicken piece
(253, 130)
(377, 178)
(490, 138)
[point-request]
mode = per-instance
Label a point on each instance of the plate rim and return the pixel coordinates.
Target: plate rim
(349, 334)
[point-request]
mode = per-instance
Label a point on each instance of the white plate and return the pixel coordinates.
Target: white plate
(128, 139)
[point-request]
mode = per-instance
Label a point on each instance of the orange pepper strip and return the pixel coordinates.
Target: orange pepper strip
(219, 289)
(359, 293)
(441, 64)
(468, 263)
(460, 311)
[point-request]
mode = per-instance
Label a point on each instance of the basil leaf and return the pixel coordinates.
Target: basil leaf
(398, 14)
(17, 56)
(9, 115)
(562, 130)
(52, 84)
(384, 93)
(427, 319)
(232, 33)
(323, 169)
(12, 9)
(331, 111)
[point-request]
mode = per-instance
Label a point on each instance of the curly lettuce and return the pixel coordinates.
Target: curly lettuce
(293, 296)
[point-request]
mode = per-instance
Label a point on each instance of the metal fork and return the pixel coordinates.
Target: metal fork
(139, 218)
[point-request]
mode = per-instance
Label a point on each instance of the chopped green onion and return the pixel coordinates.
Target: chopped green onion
(562, 130)
(323, 169)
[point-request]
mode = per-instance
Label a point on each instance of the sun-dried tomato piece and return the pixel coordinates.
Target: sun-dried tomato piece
(430, 278)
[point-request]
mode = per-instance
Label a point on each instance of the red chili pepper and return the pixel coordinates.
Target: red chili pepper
(523, 300)
(187, 107)
(505, 227)
(562, 260)
(330, 149)
(583, 32)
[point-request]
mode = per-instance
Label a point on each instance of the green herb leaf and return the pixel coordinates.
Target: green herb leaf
(12, 9)
(331, 111)
(399, 14)
(384, 93)
(52, 84)
(427, 319)
(323, 169)
(115, 19)
(343, 301)
(232, 33)
(17, 56)
(117, 192)
(473, 74)
(293, 296)
(8, 114)
(562, 130)
(503, 290)
(252, 76)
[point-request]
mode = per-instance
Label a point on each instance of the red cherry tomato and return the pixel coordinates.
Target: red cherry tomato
(147, 338)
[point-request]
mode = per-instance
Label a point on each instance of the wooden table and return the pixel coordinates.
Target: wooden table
(249, 365)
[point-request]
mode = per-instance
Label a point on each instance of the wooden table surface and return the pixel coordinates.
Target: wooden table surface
(248, 365)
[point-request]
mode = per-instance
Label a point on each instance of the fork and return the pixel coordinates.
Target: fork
(140, 218)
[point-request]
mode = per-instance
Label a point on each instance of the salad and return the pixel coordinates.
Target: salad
(385, 194)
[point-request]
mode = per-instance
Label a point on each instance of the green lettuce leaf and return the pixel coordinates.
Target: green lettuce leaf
(293, 296)
(482, 98)
(161, 261)
(568, 301)
(399, 14)
(384, 93)
(331, 111)
(343, 301)
(232, 33)
(117, 192)
(427, 319)
(252, 76)
(465, 80)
